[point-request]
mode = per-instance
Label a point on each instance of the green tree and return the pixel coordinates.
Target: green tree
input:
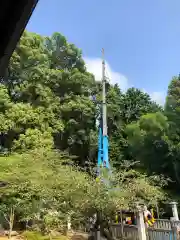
(172, 111)
(41, 177)
(48, 76)
(63, 55)
(137, 103)
(148, 142)
(124, 109)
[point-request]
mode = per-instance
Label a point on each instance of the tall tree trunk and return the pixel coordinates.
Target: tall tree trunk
(11, 222)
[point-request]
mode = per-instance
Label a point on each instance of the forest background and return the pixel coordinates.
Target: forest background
(49, 108)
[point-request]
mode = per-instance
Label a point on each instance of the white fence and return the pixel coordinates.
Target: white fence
(162, 230)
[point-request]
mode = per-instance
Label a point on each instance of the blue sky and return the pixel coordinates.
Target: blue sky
(141, 38)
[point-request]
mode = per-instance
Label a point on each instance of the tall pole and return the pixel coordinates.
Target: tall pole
(104, 117)
(103, 145)
(104, 111)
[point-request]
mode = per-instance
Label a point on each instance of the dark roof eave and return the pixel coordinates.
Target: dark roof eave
(13, 20)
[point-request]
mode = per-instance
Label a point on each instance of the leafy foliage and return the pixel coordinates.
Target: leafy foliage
(41, 187)
(48, 138)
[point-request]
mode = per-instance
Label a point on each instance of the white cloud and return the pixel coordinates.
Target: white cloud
(94, 65)
(158, 97)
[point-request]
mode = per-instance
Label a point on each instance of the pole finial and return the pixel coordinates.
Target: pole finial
(103, 54)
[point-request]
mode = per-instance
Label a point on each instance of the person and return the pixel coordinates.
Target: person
(129, 221)
(118, 217)
(152, 214)
(134, 221)
(148, 217)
